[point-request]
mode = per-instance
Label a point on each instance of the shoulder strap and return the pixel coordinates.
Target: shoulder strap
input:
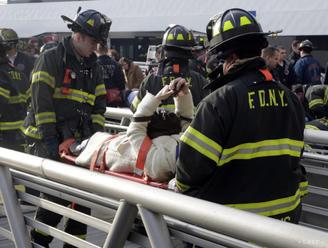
(97, 153)
(142, 155)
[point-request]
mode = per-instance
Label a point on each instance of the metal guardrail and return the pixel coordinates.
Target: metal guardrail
(315, 161)
(152, 204)
(119, 119)
(118, 113)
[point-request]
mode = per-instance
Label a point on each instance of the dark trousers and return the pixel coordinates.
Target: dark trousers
(50, 218)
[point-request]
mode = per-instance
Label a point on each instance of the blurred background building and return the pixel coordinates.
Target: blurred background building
(140, 23)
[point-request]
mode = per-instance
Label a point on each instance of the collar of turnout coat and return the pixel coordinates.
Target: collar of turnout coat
(241, 67)
(87, 61)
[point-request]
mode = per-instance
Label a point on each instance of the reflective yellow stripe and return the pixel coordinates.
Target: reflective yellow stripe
(167, 107)
(270, 208)
(45, 77)
(45, 117)
(100, 90)
(307, 126)
(21, 98)
(180, 37)
(32, 132)
(244, 21)
(99, 119)
(227, 26)
(170, 37)
(91, 22)
(135, 102)
(304, 188)
(202, 144)
(263, 148)
(14, 125)
(315, 102)
(181, 187)
(76, 95)
(5, 93)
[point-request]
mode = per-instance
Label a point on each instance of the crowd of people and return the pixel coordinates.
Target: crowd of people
(224, 120)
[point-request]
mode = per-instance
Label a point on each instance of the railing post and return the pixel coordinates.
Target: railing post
(13, 211)
(156, 228)
(123, 220)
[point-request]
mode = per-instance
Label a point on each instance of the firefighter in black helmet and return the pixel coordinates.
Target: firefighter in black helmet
(176, 51)
(197, 62)
(22, 61)
(13, 98)
(68, 103)
(237, 147)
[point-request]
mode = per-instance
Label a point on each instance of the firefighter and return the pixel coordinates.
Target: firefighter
(176, 51)
(22, 61)
(307, 69)
(317, 98)
(13, 97)
(68, 102)
(244, 145)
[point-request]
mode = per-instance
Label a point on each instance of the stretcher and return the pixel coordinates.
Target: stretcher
(70, 159)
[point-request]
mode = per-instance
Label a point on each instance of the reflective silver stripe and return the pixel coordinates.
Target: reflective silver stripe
(21, 98)
(274, 207)
(75, 95)
(32, 132)
(100, 90)
(45, 77)
(262, 149)
(99, 119)
(11, 125)
(5, 93)
(46, 117)
(202, 144)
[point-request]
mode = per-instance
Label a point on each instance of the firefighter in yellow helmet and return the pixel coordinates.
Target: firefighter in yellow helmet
(13, 98)
(244, 145)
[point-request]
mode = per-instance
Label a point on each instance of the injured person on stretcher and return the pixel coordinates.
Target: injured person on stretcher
(151, 144)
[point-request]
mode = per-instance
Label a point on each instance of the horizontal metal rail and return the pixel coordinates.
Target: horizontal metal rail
(178, 229)
(214, 217)
(118, 113)
(115, 127)
(316, 137)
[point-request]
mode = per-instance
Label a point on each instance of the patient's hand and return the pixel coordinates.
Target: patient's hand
(164, 93)
(179, 86)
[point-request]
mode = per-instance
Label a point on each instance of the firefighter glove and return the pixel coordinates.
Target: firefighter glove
(65, 145)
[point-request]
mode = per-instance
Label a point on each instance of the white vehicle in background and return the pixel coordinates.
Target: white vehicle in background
(151, 58)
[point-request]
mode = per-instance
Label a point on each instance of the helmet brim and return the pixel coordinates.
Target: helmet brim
(224, 44)
(177, 52)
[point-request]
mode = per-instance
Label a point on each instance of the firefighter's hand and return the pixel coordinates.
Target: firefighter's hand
(164, 93)
(65, 145)
(179, 86)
